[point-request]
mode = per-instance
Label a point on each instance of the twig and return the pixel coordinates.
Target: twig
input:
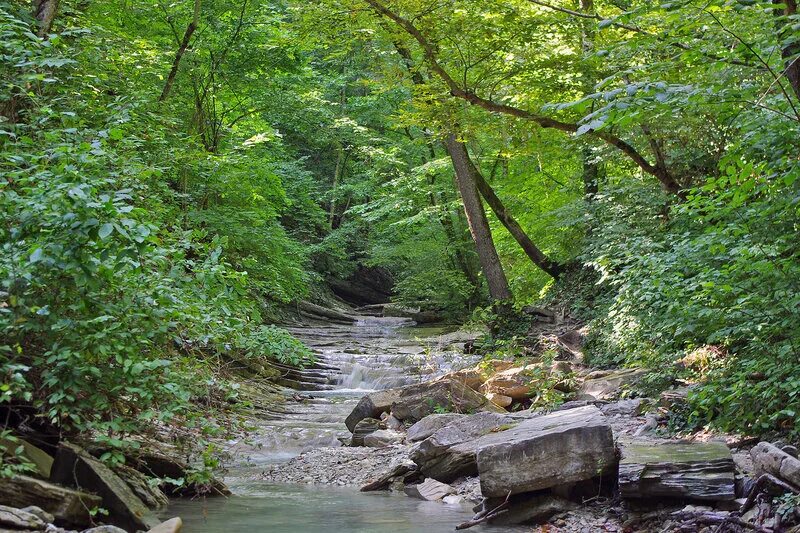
(483, 516)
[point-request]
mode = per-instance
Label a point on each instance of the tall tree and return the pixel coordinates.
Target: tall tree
(466, 178)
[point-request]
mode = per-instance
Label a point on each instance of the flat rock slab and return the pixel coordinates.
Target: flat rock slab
(543, 452)
(606, 385)
(450, 452)
(429, 490)
(66, 505)
(19, 519)
(74, 466)
(430, 425)
(696, 471)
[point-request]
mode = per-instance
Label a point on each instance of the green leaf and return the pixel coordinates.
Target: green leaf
(105, 230)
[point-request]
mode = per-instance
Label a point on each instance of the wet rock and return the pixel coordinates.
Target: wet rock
(453, 499)
(450, 452)
(607, 384)
(364, 428)
(74, 466)
(532, 509)
(18, 519)
(35, 455)
(430, 425)
(546, 451)
(173, 525)
(382, 438)
(66, 505)
(769, 459)
(429, 490)
(696, 471)
(414, 402)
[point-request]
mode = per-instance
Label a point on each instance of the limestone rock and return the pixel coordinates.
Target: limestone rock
(46, 517)
(429, 490)
(173, 525)
(471, 377)
(695, 471)
(539, 453)
(66, 505)
(151, 495)
(382, 438)
(499, 399)
(414, 402)
(769, 459)
(606, 385)
(430, 425)
(364, 428)
(514, 383)
(450, 452)
(623, 407)
(18, 519)
(38, 457)
(74, 466)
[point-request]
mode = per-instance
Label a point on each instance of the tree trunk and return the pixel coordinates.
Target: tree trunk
(591, 169)
(476, 219)
(792, 49)
(45, 12)
(181, 50)
(531, 250)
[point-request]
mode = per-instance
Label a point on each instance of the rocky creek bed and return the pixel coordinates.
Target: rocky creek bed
(392, 415)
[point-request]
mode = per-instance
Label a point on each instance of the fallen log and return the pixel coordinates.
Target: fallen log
(67, 505)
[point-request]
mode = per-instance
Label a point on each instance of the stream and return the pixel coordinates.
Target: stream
(374, 353)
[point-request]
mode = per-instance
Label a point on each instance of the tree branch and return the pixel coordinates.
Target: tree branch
(667, 181)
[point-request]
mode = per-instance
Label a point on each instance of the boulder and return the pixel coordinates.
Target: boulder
(430, 425)
(383, 438)
(66, 505)
(499, 399)
(414, 402)
(450, 452)
(140, 484)
(769, 459)
(623, 407)
(429, 490)
(539, 453)
(694, 471)
(35, 455)
(173, 525)
(606, 385)
(74, 466)
(364, 428)
(18, 519)
(514, 383)
(105, 529)
(397, 469)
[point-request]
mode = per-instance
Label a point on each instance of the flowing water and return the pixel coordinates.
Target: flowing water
(375, 353)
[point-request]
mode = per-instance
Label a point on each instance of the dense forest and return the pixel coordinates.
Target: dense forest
(178, 175)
